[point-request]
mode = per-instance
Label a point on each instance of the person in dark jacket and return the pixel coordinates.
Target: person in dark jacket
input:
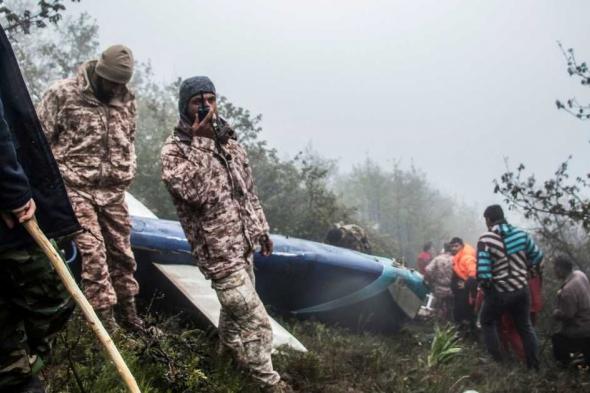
(572, 310)
(34, 305)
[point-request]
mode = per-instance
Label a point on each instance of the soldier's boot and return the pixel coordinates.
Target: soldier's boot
(128, 315)
(32, 385)
(280, 387)
(107, 317)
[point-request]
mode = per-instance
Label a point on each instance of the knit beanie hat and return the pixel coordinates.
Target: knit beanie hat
(191, 87)
(115, 64)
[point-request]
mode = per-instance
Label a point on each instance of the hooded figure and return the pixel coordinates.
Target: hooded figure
(211, 185)
(189, 89)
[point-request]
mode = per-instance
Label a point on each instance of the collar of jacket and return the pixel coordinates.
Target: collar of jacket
(502, 228)
(567, 279)
(183, 134)
(86, 90)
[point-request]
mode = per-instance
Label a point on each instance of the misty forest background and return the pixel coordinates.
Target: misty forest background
(302, 196)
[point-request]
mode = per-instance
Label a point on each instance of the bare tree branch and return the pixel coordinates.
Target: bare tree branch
(47, 11)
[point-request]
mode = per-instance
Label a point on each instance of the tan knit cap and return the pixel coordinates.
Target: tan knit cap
(116, 64)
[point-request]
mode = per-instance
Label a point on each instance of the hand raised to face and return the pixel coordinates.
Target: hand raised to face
(202, 128)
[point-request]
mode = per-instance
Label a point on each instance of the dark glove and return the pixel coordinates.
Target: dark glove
(266, 245)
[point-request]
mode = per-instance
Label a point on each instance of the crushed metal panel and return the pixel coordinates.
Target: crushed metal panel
(136, 208)
(196, 288)
(405, 298)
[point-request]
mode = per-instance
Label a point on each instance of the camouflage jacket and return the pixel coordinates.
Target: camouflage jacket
(349, 236)
(215, 198)
(93, 143)
(438, 273)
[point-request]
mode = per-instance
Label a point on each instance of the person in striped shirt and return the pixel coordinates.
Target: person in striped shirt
(505, 256)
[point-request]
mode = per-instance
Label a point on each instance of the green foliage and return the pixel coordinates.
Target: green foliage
(445, 346)
(177, 359)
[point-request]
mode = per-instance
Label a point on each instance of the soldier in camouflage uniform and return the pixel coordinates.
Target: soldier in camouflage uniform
(89, 121)
(34, 304)
(209, 178)
(438, 274)
(349, 236)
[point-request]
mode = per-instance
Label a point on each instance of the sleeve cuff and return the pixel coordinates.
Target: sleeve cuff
(15, 203)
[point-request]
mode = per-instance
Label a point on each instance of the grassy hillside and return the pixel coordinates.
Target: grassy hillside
(183, 358)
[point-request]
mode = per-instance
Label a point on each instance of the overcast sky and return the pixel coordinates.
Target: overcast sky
(452, 86)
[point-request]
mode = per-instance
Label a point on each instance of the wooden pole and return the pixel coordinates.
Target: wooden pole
(103, 336)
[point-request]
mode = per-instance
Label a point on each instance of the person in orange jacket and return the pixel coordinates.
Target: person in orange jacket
(463, 283)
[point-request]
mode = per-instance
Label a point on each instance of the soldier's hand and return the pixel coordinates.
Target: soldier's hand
(26, 212)
(22, 214)
(204, 128)
(266, 245)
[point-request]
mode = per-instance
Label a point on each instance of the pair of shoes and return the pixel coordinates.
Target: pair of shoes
(32, 385)
(127, 313)
(280, 387)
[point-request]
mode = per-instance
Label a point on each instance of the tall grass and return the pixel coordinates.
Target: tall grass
(183, 359)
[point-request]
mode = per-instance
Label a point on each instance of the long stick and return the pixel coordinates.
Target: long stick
(33, 228)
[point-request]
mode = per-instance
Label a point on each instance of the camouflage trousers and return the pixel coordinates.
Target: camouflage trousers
(244, 325)
(34, 305)
(108, 264)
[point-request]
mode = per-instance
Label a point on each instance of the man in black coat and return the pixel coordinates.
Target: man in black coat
(34, 304)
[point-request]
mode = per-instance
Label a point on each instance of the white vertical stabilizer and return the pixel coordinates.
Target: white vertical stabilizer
(191, 282)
